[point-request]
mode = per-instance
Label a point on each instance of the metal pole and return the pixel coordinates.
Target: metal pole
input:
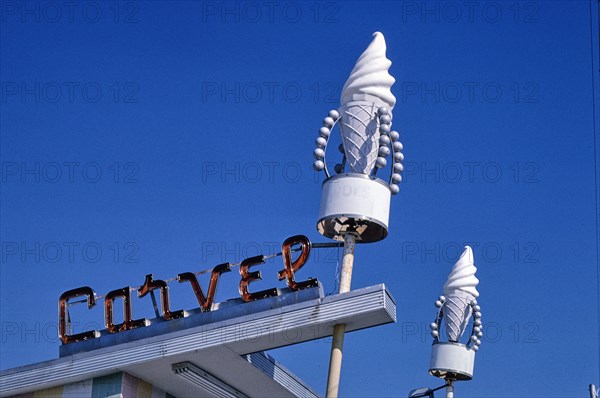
(450, 389)
(337, 344)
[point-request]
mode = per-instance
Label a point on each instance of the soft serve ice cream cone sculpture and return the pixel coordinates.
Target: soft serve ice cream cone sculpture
(355, 200)
(366, 92)
(453, 360)
(460, 291)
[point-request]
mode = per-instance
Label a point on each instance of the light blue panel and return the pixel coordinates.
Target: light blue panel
(106, 386)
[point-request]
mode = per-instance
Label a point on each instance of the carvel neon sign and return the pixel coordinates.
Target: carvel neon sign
(205, 301)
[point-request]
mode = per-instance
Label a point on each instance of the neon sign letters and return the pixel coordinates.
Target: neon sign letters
(205, 301)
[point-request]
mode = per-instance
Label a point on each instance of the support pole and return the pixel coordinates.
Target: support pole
(337, 344)
(450, 389)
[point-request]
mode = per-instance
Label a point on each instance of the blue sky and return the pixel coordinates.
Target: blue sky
(155, 137)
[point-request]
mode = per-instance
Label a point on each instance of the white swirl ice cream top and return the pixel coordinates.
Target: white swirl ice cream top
(462, 276)
(370, 80)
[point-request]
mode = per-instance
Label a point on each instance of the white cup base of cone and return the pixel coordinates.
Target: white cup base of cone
(452, 361)
(354, 197)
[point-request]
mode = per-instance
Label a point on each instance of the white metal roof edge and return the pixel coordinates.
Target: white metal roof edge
(280, 374)
(358, 309)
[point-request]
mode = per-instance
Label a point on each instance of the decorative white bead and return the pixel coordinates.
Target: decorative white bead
(384, 140)
(318, 165)
(328, 122)
(383, 111)
(324, 132)
(334, 114)
(385, 119)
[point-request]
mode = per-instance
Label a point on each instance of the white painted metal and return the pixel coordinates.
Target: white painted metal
(205, 380)
(287, 379)
(357, 197)
(452, 361)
